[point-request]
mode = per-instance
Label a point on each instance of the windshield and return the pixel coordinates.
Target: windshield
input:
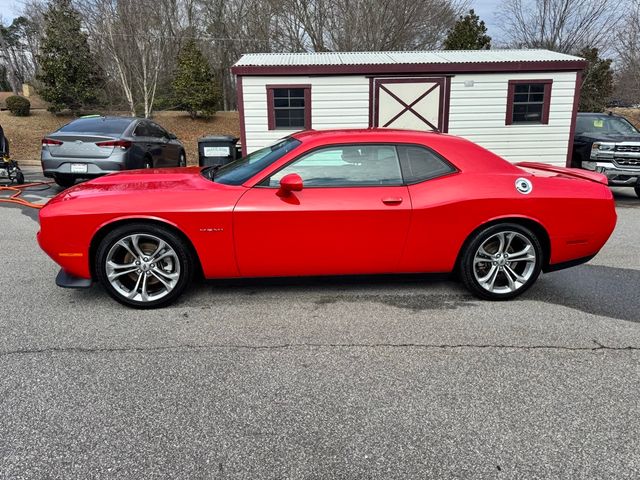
(604, 124)
(110, 126)
(238, 172)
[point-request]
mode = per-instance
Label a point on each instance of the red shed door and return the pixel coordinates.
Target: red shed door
(411, 103)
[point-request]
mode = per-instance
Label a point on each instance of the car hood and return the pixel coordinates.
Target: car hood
(610, 137)
(164, 182)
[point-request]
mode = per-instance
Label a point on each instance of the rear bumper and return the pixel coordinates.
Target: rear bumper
(66, 280)
(569, 264)
(55, 168)
(95, 167)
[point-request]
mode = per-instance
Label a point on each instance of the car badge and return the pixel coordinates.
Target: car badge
(524, 186)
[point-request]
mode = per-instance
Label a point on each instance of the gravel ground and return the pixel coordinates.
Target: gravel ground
(392, 377)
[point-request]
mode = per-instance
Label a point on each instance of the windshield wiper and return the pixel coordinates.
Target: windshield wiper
(212, 171)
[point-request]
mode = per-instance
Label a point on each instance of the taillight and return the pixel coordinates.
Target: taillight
(123, 144)
(49, 141)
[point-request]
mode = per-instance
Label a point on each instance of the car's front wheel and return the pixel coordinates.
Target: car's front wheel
(637, 189)
(182, 162)
(144, 265)
(501, 261)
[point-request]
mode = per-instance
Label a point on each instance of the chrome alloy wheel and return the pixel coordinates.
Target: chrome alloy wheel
(142, 267)
(504, 262)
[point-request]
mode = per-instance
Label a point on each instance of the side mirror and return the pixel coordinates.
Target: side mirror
(172, 136)
(291, 183)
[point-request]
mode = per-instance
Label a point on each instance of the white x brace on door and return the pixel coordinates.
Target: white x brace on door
(411, 103)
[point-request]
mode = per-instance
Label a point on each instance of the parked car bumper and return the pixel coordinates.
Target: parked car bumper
(617, 176)
(81, 167)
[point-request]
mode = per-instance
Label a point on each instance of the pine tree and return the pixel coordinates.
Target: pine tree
(597, 84)
(68, 72)
(194, 86)
(468, 33)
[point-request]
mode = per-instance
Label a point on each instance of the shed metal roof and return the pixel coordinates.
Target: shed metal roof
(401, 58)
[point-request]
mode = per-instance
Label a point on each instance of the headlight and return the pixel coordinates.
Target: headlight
(597, 148)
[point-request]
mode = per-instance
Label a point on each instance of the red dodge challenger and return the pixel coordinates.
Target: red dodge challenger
(330, 203)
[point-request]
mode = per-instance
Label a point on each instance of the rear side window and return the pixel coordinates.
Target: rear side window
(111, 126)
(142, 130)
(156, 131)
(420, 164)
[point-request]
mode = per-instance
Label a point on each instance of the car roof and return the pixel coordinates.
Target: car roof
(597, 114)
(107, 117)
(361, 132)
(460, 151)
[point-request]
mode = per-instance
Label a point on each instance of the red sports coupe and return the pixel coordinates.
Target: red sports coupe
(330, 203)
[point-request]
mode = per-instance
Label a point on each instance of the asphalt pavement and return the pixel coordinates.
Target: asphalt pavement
(348, 378)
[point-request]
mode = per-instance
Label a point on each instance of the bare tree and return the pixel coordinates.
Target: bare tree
(561, 25)
(17, 54)
(628, 51)
(136, 39)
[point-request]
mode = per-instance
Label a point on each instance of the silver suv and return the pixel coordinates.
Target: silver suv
(92, 146)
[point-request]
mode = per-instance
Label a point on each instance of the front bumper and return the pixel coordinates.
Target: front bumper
(617, 175)
(66, 280)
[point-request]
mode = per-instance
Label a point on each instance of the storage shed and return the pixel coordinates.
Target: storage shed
(520, 104)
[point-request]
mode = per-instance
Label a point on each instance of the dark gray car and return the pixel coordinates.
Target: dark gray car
(92, 146)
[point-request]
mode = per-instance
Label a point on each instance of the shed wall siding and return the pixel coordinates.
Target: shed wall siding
(476, 112)
(336, 102)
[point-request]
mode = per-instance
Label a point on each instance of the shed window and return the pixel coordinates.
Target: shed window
(528, 101)
(289, 107)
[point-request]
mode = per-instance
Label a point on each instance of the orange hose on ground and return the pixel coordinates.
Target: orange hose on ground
(18, 190)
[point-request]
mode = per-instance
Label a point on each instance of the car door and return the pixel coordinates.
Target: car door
(143, 141)
(160, 147)
(170, 149)
(351, 216)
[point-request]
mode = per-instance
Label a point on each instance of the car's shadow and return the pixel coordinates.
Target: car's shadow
(599, 290)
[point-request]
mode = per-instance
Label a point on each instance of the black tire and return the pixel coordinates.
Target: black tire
(64, 181)
(19, 177)
(148, 163)
(637, 189)
(182, 162)
(183, 256)
(467, 267)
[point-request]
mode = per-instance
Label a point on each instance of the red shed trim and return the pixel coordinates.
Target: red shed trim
(271, 112)
(574, 116)
(544, 120)
(413, 68)
(243, 129)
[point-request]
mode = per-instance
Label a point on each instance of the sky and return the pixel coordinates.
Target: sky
(8, 10)
(484, 8)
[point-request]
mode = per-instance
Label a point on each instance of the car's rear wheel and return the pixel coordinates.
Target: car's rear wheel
(637, 189)
(501, 261)
(64, 181)
(144, 265)
(182, 162)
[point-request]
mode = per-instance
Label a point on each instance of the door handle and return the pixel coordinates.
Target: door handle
(392, 200)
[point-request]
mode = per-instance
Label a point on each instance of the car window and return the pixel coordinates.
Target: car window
(238, 172)
(111, 126)
(156, 131)
(604, 124)
(345, 165)
(142, 130)
(420, 164)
